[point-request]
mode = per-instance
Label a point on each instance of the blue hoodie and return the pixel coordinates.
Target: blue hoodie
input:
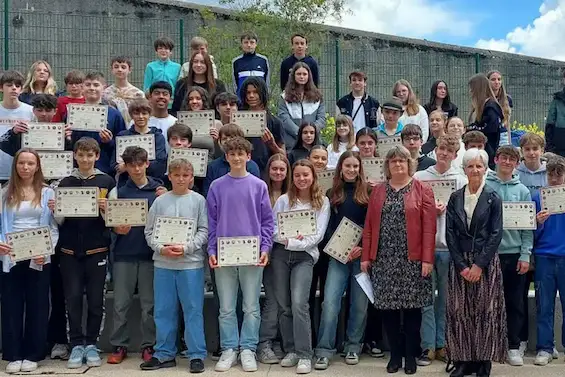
(533, 180)
(513, 241)
(547, 238)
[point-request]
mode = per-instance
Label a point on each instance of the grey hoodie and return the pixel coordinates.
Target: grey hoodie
(533, 180)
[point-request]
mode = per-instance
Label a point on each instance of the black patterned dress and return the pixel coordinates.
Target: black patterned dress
(397, 281)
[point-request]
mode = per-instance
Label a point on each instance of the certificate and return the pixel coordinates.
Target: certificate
(374, 169)
(146, 142)
(56, 164)
(126, 212)
(385, 144)
(238, 251)
(30, 243)
(44, 136)
(345, 238)
(200, 122)
(87, 117)
(519, 216)
(443, 188)
(326, 180)
(197, 157)
(253, 123)
(553, 199)
(76, 201)
(293, 223)
(173, 230)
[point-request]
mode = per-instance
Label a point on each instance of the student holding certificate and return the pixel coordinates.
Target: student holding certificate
(25, 284)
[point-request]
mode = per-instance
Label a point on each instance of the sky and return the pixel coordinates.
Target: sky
(530, 27)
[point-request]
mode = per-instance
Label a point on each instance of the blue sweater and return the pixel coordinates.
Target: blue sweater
(220, 167)
(159, 70)
(247, 65)
(547, 238)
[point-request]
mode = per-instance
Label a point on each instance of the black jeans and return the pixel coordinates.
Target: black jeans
(374, 329)
(319, 274)
(403, 342)
(79, 275)
(513, 297)
(57, 330)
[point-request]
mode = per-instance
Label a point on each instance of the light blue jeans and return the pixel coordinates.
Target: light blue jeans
(228, 282)
(172, 286)
(339, 277)
(432, 330)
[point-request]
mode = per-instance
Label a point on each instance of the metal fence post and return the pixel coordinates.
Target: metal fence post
(181, 39)
(6, 31)
(477, 63)
(337, 74)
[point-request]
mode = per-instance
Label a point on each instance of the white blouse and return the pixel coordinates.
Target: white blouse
(333, 157)
(471, 201)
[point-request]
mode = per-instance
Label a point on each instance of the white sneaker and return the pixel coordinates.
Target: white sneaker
(227, 360)
(28, 366)
(290, 360)
(543, 358)
(555, 353)
(515, 358)
(14, 367)
(304, 366)
(523, 347)
(60, 351)
(248, 361)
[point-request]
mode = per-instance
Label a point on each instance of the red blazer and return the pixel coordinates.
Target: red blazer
(421, 216)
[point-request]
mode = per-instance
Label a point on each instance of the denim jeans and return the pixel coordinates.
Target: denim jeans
(549, 278)
(432, 330)
(229, 280)
(172, 286)
(270, 312)
(293, 277)
(339, 277)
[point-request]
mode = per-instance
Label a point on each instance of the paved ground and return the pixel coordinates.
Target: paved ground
(367, 367)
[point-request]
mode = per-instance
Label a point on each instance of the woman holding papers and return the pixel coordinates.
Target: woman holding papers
(398, 252)
(476, 314)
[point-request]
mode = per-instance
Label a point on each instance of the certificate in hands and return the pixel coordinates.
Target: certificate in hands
(56, 164)
(385, 144)
(120, 212)
(326, 180)
(30, 243)
(292, 223)
(519, 216)
(87, 117)
(173, 230)
(553, 199)
(238, 251)
(76, 201)
(345, 238)
(374, 169)
(197, 157)
(253, 123)
(146, 142)
(200, 122)
(443, 188)
(44, 136)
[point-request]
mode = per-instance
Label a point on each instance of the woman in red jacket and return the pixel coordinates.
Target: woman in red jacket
(398, 251)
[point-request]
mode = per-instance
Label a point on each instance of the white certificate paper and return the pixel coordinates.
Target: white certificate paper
(44, 136)
(519, 216)
(326, 180)
(293, 223)
(553, 199)
(173, 230)
(385, 144)
(197, 157)
(87, 117)
(345, 238)
(121, 212)
(146, 142)
(443, 188)
(56, 164)
(76, 201)
(238, 251)
(374, 169)
(30, 243)
(200, 122)
(253, 123)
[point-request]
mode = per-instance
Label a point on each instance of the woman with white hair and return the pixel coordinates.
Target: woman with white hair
(476, 314)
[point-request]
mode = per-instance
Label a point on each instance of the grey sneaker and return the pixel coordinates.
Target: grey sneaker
(304, 366)
(322, 363)
(543, 358)
(290, 360)
(555, 353)
(60, 351)
(92, 355)
(352, 358)
(266, 355)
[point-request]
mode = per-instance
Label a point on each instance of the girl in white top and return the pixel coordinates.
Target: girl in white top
(343, 140)
(414, 113)
(455, 126)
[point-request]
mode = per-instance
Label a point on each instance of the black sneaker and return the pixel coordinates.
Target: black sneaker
(196, 366)
(216, 355)
(155, 364)
(425, 358)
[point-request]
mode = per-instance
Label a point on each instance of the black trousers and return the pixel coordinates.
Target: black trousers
(79, 275)
(374, 329)
(525, 330)
(57, 330)
(319, 275)
(402, 328)
(513, 297)
(25, 293)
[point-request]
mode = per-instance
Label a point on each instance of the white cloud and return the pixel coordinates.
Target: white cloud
(543, 37)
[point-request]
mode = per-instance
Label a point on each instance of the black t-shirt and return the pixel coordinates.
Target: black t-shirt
(261, 152)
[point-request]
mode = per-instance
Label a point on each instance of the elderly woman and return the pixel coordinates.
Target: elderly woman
(476, 315)
(398, 249)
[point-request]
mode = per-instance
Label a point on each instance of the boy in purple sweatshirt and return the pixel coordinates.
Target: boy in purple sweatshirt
(245, 196)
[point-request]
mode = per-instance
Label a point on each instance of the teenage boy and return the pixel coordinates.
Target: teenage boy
(226, 104)
(83, 247)
(532, 170)
(198, 45)
(160, 94)
(74, 81)
(515, 248)
(248, 64)
(140, 111)
(474, 139)
(411, 136)
(132, 261)
(361, 107)
(121, 93)
(433, 317)
(390, 126)
(549, 252)
(179, 272)
(299, 54)
(162, 69)
(242, 193)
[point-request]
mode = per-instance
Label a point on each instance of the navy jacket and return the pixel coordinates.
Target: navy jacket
(370, 108)
(288, 63)
(247, 65)
(489, 124)
(220, 167)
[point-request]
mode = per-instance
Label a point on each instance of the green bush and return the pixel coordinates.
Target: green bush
(328, 132)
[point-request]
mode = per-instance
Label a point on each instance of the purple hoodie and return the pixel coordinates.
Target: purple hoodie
(238, 207)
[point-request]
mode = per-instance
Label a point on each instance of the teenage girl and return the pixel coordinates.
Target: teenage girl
(39, 80)
(438, 124)
(318, 156)
(343, 140)
(308, 136)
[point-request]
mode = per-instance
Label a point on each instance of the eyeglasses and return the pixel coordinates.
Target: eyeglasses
(413, 138)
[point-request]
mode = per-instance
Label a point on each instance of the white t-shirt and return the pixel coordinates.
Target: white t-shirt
(333, 156)
(26, 216)
(359, 121)
(23, 112)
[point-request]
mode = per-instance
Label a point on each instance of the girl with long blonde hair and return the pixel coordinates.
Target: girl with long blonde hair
(39, 80)
(414, 113)
(505, 102)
